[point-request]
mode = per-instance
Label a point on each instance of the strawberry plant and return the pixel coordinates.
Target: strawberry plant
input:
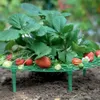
(41, 33)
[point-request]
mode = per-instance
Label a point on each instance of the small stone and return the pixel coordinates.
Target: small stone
(87, 98)
(57, 99)
(98, 76)
(3, 78)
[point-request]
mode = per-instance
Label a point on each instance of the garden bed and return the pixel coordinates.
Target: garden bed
(37, 87)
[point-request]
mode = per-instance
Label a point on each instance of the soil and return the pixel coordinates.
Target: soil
(39, 86)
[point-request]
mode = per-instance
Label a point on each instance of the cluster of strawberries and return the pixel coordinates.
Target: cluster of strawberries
(20, 61)
(88, 57)
(43, 62)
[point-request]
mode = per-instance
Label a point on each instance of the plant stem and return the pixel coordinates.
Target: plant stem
(65, 44)
(28, 58)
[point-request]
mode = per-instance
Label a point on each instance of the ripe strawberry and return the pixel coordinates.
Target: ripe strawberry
(90, 55)
(29, 62)
(43, 62)
(9, 57)
(97, 53)
(19, 61)
(76, 61)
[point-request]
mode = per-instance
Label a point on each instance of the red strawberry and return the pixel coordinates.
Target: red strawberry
(97, 53)
(29, 62)
(90, 55)
(43, 62)
(19, 61)
(9, 57)
(76, 61)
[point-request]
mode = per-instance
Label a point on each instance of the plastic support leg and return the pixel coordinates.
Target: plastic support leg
(14, 79)
(84, 72)
(69, 81)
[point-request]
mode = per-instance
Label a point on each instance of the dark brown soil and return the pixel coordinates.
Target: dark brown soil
(37, 86)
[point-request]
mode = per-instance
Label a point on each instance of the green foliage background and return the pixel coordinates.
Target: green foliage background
(85, 13)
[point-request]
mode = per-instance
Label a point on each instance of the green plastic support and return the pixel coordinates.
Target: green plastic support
(14, 78)
(69, 81)
(69, 69)
(84, 72)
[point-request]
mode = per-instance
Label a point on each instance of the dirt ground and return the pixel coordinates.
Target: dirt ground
(37, 86)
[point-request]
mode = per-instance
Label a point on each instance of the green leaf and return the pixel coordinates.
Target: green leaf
(9, 45)
(68, 28)
(48, 20)
(42, 31)
(72, 37)
(66, 56)
(19, 20)
(54, 50)
(10, 34)
(56, 41)
(24, 23)
(66, 14)
(91, 44)
(45, 29)
(48, 13)
(40, 49)
(31, 27)
(80, 48)
(2, 47)
(62, 56)
(70, 55)
(59, 23)
(49, 16)
(50, 30)
(2, 25)
(30, 8)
